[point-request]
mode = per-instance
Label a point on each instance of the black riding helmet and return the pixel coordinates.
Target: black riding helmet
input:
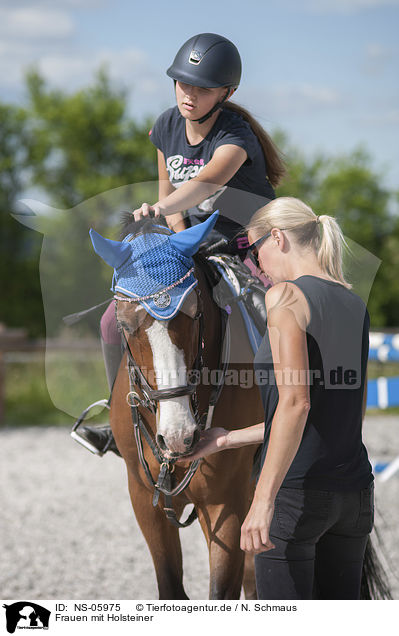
(210, 61)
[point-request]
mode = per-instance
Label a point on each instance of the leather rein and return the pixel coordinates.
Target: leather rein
(149, 401)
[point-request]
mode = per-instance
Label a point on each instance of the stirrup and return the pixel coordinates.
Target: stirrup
(81, 440)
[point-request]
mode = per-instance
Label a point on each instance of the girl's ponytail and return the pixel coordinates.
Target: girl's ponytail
(274, 163)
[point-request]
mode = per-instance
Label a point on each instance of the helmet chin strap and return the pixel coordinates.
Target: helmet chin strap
(216, 107)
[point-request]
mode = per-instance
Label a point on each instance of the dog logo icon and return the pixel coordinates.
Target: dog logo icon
(26, 615)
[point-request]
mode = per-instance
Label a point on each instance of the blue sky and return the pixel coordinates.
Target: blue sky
(325, 71)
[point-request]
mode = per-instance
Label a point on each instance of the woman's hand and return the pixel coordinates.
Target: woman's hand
(146, 209)
(211, 441)
(255, 529)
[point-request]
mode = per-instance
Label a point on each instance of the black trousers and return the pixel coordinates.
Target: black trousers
(320, 538)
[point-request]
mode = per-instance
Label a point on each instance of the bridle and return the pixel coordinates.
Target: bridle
(150, 399)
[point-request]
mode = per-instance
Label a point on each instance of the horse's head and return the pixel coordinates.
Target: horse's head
(159, 311)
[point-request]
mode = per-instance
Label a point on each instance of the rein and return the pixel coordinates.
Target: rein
(149, 401)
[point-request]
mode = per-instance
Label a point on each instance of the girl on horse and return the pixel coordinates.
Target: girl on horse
(312, 511)
(211, 154)
(207, 145)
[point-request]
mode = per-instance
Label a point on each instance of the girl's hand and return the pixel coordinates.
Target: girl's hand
(146, 209)
(211, 441)
(255, 529)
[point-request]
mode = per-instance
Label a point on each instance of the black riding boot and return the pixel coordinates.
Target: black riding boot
(99, 439)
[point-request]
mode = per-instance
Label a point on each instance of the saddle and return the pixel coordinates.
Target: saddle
(233, 283)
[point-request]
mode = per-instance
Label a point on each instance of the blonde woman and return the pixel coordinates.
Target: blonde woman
(313, 506)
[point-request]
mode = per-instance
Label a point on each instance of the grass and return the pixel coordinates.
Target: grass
(55, 393)
(383, 369)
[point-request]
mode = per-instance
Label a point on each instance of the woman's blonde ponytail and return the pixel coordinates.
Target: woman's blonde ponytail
(330, 252)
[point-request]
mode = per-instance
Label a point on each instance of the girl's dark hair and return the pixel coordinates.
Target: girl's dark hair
(275, 166)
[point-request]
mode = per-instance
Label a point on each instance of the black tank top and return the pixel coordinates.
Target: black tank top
(331, 455)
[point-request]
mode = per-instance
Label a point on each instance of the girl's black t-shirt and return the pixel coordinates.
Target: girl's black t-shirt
(331, 455)
(248, 189)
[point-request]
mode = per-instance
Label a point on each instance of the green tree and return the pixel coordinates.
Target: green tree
(85, 143)
(304, 173)
(349, 188)
(75, 147)
(352, 192)
(19, 247)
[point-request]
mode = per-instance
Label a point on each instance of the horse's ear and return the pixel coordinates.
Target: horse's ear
(188, 241)
(112, 252)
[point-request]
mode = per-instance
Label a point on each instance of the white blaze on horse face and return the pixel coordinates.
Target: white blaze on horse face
(175, 422)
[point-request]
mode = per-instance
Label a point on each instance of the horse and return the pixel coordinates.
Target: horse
(151, 388)
(170, 334)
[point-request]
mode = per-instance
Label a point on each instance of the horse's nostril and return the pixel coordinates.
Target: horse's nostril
(161, 442)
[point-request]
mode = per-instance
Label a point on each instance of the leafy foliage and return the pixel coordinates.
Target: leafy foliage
(85, 143)
(348, 188)
(19, 248)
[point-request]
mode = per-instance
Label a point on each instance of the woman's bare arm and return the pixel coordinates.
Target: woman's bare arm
(287, 318)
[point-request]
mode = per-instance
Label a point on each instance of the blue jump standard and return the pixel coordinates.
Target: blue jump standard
(383, 393)
(384, 347)
(379, 467)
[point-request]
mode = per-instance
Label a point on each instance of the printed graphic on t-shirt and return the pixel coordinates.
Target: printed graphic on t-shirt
(181, 169)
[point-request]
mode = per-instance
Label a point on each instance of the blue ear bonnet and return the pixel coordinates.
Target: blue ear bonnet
(154, 267)
(155, 264)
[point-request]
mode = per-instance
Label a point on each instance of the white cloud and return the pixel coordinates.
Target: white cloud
(310, 94)
(299, 99)
(70, 69)
(74, 70)
(43, 34)
(15, 57)
(382, 118)
(377, 56)
(290, 105)
(61, 4)
(35, 23)
(39, 34)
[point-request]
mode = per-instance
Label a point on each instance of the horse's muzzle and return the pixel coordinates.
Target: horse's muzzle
(175, 449)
